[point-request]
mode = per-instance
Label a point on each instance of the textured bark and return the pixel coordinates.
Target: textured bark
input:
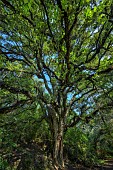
(56, 123)
(57, 135)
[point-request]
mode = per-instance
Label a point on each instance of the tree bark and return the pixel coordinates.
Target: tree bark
(56, 123)
(57, 135)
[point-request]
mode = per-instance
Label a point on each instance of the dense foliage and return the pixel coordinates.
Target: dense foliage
(56, 79)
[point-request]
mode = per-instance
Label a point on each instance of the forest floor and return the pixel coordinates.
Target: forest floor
(107, 166)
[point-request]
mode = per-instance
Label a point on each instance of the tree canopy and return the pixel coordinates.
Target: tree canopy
(56, 62)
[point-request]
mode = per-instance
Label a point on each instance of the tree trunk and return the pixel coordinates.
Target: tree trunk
(58, 129)
(56, 123)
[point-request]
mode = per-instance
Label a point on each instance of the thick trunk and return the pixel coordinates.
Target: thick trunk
(58, 161)
(56, 123)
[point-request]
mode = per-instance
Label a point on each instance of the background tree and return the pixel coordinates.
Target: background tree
(58, 54)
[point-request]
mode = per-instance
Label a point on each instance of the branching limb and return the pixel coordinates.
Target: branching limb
(14, 90)
(13, 106)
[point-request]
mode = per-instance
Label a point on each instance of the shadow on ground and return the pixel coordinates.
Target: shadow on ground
(107, 166)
